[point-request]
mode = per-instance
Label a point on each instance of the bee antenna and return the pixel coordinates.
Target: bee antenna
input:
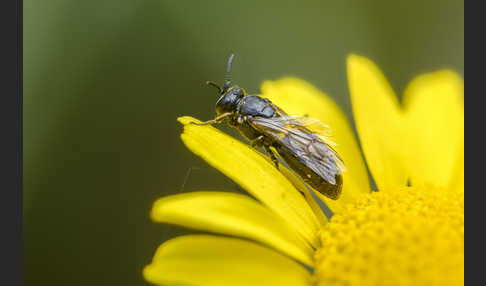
(212, 83)
(228, 73)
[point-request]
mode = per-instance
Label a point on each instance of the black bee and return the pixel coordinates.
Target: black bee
(266, 125)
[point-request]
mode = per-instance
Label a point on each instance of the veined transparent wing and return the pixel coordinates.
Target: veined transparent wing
(305, 144)
(313, 125)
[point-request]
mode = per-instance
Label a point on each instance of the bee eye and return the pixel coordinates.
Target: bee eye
(235, 92)
(239, 92)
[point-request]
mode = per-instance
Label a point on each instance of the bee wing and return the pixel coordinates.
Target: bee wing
(304, 144)
(313, 125)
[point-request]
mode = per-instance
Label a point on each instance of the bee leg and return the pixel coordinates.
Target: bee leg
(272, 155)
(258, 142)
(216, 120)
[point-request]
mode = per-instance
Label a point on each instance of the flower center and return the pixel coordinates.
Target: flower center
(407, 236)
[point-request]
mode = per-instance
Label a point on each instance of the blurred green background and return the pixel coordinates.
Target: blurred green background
(104, 82)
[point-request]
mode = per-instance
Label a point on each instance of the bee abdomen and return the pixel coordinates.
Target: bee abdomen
(333, 191)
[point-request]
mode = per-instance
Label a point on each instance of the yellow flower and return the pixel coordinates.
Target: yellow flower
(410, 232)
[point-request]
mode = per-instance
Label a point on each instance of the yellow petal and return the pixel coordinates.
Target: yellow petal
(457, 180)
(434, 109)
(232, 214)
(297, 97)
(256, 175)
(300, 185)
(379, 122)
(213, 260)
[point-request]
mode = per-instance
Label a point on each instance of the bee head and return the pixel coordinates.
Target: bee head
(229, 100)
(230, 95)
